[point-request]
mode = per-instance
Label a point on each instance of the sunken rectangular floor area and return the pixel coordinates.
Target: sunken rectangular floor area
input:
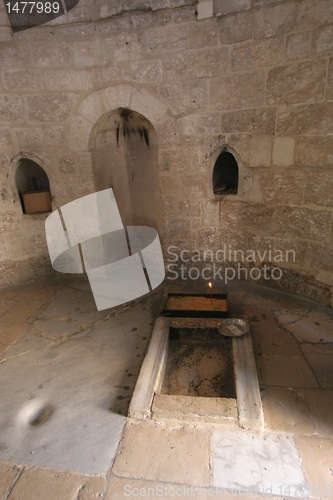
(68, 373)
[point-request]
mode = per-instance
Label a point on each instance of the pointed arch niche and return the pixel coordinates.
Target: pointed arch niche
(124, 156)
(118, 125)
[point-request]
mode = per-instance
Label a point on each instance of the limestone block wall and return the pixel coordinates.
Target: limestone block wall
(257, 80)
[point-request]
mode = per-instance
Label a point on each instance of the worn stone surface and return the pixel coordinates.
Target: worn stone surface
(67, 165)
(236, 28)
(29, 137)
(261, 151)
(202, 124)
(285, 371)
(68, 80)
(223, 7)
(320, 404)
(194, 186)
(237, 92)
(299, 83)
(314, 151)
(283, 151)
(9, 473)
(45, 483)
(167, 132)
(152, 452)
(305, 119)
(256, 54)
(329, 92)
(53, 136)
(285, 410)
(22, 79)
(89, 53)
(315, 224)
(170, 40)
(49, 107)
(320, 257)
(14, 56)
(317, 451)
(142, 71)
(189, 209)
(274, 20)
(250, 216)
(319, 188)
(322, 42)
(320, 358)
(5, 137)
(124, 46)
(298, 46)
(11, 108)
(205, 63)
(170, 159)
(203, 34)
(260, 121)
(311, 14)
(283, 186)
(184, 97)
(56, 54)
(241, 144)
(177, 229)
(313, 327)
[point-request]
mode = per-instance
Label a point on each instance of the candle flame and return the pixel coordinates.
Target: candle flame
(210, 285)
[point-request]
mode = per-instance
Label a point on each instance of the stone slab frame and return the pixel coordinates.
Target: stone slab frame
(103, 101)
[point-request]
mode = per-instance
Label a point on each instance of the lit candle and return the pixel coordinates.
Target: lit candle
(210, 287)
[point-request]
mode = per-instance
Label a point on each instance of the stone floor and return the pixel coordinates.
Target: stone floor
(68, 372)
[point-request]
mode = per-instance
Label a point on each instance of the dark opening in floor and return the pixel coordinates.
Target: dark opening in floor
(199, 364)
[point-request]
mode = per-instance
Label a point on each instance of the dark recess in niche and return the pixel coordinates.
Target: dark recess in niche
(129, 123)
(225, 175)
(33, 187)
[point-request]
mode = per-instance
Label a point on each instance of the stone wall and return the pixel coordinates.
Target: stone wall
(257, 80)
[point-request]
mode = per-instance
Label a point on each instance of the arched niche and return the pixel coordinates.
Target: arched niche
(225, 174)
(124, 154)
(33, 187)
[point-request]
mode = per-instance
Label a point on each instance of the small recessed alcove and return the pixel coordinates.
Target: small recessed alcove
(33, 187)
(225, 174)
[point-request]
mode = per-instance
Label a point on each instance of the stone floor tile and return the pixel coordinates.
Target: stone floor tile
(45, 485)
(320, 358)
(268, 337)
(9, 293)
(92, 487)
(320, 403)
(38, 295)
(8, 475)
(11, 332)
(285, 371)
(27, 343)
(157, 453)
(68, 303)
(6, 305)
(56, 329)
(274, 342)
(317, 460)
(247, 462)
(285, 410)
(22, 311)
(307, 326)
